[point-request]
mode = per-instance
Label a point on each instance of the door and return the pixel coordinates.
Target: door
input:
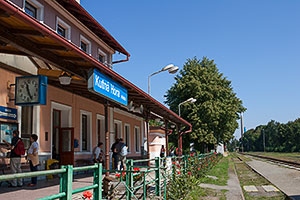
(66, 146)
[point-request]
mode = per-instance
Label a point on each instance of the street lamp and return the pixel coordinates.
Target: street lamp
(170, 68)
(190, 100)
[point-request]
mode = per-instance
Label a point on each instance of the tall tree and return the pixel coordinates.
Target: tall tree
(215, 113)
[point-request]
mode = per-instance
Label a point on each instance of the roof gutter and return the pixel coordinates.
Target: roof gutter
(14, 11)
(188, 131)
(119, 61)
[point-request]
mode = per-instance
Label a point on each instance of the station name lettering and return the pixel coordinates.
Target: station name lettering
(108, 87)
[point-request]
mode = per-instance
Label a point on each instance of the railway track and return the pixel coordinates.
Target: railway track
(281, 162)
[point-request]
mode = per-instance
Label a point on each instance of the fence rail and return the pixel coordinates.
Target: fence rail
(136, 177)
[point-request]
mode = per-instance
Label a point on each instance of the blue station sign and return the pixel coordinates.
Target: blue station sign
(8, 113)
(102, 85)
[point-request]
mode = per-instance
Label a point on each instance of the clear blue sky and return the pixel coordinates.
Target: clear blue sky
(256, 44)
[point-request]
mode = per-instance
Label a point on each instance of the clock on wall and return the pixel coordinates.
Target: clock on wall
(31, 90)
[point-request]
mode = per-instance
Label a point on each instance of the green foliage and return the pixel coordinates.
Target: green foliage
(233, 144)
(155, 123)
(187, 173)
(278, 137)
(215, 113)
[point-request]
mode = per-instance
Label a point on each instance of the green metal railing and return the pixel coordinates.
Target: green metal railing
(138, 176)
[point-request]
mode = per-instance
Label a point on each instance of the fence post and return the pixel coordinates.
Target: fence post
(129, 179)
(144, 186)
(66, 182)
(184, 165)
(157, 176)
(98, 180)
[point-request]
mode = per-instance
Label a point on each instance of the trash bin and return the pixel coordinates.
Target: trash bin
(52, 164)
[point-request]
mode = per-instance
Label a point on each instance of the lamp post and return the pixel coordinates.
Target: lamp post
(190, 100)
(170, 68)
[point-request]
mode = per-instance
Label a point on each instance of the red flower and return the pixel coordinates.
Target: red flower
(209, 158)
(87, 195)
(142, 174)
(136, 169)
(189, 159)
(198, 168)
(215, 153)
(118, 175)
(189, 173)
(124, 174)
(174, 163)
(178, 165)
(178, 172)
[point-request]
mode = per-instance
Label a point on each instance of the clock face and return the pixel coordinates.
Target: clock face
(27, 90)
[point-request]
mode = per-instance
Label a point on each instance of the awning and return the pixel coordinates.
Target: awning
(20, 34)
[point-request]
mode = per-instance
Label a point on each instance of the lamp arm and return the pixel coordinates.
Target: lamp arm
(149, 79)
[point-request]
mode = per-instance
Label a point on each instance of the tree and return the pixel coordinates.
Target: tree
(215, 113)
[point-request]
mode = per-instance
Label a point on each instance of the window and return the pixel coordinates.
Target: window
(85, 44)
(127, 136)
(34, 9)
(137, 138)
(85, 131)
(30, 10)
(63, 29)
(102, 57)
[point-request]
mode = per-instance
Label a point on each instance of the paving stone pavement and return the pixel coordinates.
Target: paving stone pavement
(285, 179)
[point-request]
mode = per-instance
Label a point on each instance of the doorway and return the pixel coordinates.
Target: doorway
(62, 134)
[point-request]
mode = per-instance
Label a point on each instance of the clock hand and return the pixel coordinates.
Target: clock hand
(27, 88)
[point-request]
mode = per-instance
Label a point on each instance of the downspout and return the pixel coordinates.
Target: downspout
(180, 138)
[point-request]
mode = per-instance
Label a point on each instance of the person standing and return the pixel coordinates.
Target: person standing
(15, 159)
(162, 151)
(122, 153)
(115, 154)
(98, 154)
(33, 157)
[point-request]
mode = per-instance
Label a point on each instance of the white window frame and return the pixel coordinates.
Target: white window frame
(129, 143)
(89, 114)
(66, 26)
(102, 53)
(119, 123)
(139, 138)
(39, 9)
(102, 128)
(89, 46)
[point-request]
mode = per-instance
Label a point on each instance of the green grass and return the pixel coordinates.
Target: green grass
(200, 193)
(220, 171)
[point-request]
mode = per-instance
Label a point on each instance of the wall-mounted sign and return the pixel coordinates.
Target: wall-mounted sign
(102, 85)
(31, 90)
(8, 113)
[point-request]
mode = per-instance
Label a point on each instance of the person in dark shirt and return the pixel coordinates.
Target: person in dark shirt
(115, 154)
(15, 160)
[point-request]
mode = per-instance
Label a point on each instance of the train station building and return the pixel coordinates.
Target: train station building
(78, 99)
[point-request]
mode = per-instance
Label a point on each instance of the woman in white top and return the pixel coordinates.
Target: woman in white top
(33, 157)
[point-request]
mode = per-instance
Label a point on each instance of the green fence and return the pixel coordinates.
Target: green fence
(136, 182)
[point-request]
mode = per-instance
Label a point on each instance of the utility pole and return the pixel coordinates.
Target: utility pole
(264, 140)
(242, 131)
